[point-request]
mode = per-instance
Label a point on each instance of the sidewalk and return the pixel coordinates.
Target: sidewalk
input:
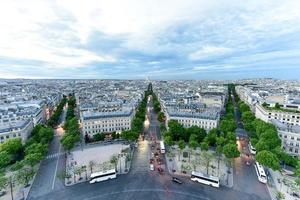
(278, 182)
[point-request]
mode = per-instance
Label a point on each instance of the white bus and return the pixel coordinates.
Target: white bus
(252, 149)
(260, 172)
(162, 147)
(205, 179)
(103, 176)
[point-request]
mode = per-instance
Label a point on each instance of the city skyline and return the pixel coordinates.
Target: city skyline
(160, 40)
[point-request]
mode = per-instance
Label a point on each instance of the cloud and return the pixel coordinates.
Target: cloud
(209, 51)
(134, 38)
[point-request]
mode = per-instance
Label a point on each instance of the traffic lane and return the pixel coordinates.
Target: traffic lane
(245, 178)
(146, 186)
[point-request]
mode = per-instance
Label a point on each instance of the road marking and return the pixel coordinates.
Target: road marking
(54, 178)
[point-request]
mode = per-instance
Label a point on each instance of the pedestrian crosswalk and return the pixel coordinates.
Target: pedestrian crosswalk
(55, 155)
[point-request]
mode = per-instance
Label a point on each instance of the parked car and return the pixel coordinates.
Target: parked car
(176, 180)
(151, 160)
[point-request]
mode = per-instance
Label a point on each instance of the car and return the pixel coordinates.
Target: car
(151, 167)
(151, 160)
(176, 180)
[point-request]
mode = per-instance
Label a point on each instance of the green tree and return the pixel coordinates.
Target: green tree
(230, 151)
(5, 159)
(268, 159)
(24, 175)
(168, 140)
(160, 116)
(130, 135)
(181, 145)
(230, 138)
(99, 137)
(297, 170)
(199, 132)
(175, 129)
(228, 126)
(33, 159)
(45, 135)
(12, 146)
(36, 148)
(3, 181)
(212, 138)
(68, 142)
(204, 146)
(280, 196)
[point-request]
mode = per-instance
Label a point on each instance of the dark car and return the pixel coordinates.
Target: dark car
(159, 169)
(176, 180)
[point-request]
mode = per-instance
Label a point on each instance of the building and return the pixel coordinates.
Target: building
(106, 122)
(193, 115)
(290, 137)
(20, 129)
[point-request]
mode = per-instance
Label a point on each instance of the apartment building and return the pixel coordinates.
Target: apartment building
(106, 122)
(19, 129)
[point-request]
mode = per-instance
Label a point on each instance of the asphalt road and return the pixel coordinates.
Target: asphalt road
(142, 184)
(244, 178)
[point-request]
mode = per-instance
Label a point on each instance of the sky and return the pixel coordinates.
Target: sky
(159, 39)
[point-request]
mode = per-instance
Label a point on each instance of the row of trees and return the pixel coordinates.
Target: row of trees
(264, 137)
(71, 126)
(21, 159)
(54, 119)
(139, 118)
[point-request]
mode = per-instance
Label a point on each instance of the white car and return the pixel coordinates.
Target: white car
(151, 167)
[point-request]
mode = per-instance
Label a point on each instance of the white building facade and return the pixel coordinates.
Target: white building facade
(20, 129)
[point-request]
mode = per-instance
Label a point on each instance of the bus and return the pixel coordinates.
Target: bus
(260, 172)
(103, 176)
(252, 149)
(205, 179)
(162, 147)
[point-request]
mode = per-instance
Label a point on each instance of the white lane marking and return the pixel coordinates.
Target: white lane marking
(54, 178)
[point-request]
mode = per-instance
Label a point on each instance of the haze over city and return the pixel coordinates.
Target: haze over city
(171, 39)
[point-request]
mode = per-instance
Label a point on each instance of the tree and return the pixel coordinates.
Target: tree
(63, 174)
(199, 132)
(114, 161)
(175, 129)
(212, 138)
(228, 126)
(297, 170)
(5, 159)
(206, 159)
(204, 146)
(230, 151)
(33, 159)
(230, 138)
(3, 181)
(193, 144)
(45, 135)
(68, 142)
(78, 171)
(219, 150)
(160, 116)
(92, 164)
(99, 137)
(280, 196)
(130, 135)
(268, 159)
(277, 106)
(24, 175)
(36, 148)
(168, 140)
(181, 145)
(12, 146)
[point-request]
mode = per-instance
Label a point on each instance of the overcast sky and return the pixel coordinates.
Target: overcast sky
(159, 39)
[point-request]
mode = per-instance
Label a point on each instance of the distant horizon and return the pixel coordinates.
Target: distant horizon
(253, 78)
